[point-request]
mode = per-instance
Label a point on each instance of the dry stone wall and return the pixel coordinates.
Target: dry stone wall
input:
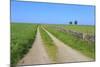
(77, 34)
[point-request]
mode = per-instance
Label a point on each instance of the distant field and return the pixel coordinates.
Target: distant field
(88, 29)
(22, 37)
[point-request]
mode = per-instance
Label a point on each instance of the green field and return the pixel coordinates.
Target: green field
(22, 37)
(87, 29)
(87, 48)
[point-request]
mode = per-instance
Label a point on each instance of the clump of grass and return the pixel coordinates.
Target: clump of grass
(48, 43)
(87, 48)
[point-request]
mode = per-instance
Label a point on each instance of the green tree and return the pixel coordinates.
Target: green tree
(75, 22)
(70, 22)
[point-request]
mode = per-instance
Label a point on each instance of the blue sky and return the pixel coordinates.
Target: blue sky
(51, 13)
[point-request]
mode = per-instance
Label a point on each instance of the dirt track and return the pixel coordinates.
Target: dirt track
(66, 53)
(37, 54)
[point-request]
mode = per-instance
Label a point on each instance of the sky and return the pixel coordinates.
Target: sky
(50, 13)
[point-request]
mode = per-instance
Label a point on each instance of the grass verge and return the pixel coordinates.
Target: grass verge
(48, 43)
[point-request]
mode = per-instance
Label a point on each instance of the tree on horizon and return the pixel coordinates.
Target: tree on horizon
(70, 22)
(75, 22)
